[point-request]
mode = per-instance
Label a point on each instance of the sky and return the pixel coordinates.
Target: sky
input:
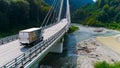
(94, 0)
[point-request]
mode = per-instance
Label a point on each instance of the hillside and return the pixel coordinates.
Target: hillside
(103, 13)
(20, 14)
(75, 4)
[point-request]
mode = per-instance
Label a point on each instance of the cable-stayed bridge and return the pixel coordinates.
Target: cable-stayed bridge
(12, 55)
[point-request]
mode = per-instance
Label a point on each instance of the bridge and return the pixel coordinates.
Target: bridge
(12, 55)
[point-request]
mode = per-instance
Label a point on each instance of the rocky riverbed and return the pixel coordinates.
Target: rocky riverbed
(92, 51)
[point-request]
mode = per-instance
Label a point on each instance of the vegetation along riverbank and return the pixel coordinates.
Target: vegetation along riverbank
(73, 28)
(106, 65)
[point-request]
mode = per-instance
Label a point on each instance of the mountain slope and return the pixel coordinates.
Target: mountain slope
(74, 4)
(103, 13)
(21, 14)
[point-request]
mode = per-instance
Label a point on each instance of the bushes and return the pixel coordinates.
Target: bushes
(106, 65)
(73, 28)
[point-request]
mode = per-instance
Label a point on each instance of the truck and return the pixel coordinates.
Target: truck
(30, 36)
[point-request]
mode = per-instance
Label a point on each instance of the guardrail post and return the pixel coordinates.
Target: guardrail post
(7, 40)
(16, 37)
(2, 41)
(43, 42)
(24, 57)
(11, 38)
(15, 62)
(5, 66)
(30, 55)
(22, 62)
(35, 51)
(40, 49)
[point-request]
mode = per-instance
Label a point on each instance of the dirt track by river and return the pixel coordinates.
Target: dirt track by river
(93, 51)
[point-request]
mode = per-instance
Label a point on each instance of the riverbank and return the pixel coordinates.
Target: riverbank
(72, 29)
(93, 51)
(112, 42)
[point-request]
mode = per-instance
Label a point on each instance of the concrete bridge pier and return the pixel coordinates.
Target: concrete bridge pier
(58, 47)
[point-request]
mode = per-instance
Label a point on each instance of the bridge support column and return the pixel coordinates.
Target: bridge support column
(58, 47)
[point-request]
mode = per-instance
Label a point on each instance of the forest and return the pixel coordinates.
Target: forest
(16, 15)
(74, 4)
(20, 14)
(103, 13)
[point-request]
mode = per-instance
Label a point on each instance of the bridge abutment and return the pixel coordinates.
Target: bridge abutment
(58, 47)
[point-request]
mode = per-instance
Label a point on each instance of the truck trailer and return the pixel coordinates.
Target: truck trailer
(30, 36)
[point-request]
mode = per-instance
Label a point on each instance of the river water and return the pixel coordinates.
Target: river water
(70, 42)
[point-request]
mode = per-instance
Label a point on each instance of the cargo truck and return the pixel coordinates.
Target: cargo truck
(30, 36)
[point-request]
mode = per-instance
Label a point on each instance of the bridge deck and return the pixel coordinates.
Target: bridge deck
(13, 49)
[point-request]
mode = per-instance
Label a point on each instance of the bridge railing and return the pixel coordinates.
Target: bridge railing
(8, 39)
(26, 57)
(14, 37)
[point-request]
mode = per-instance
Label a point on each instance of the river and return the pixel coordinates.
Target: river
(84, 32)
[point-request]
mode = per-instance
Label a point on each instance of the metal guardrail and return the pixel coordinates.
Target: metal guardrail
(8, 39)
(14, 37)
(26, 57)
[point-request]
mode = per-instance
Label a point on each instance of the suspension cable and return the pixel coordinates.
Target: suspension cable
(68, 11)
(55, 12)
(47, 14)
(60, 11)
(54, 4)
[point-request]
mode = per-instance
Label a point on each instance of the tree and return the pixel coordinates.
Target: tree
(19, 13)
(106, 8)
(100, 3)
(117, 17)
(4, 24)
(79, 15)
(4, 6)
(91, 21)
(103, 17)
